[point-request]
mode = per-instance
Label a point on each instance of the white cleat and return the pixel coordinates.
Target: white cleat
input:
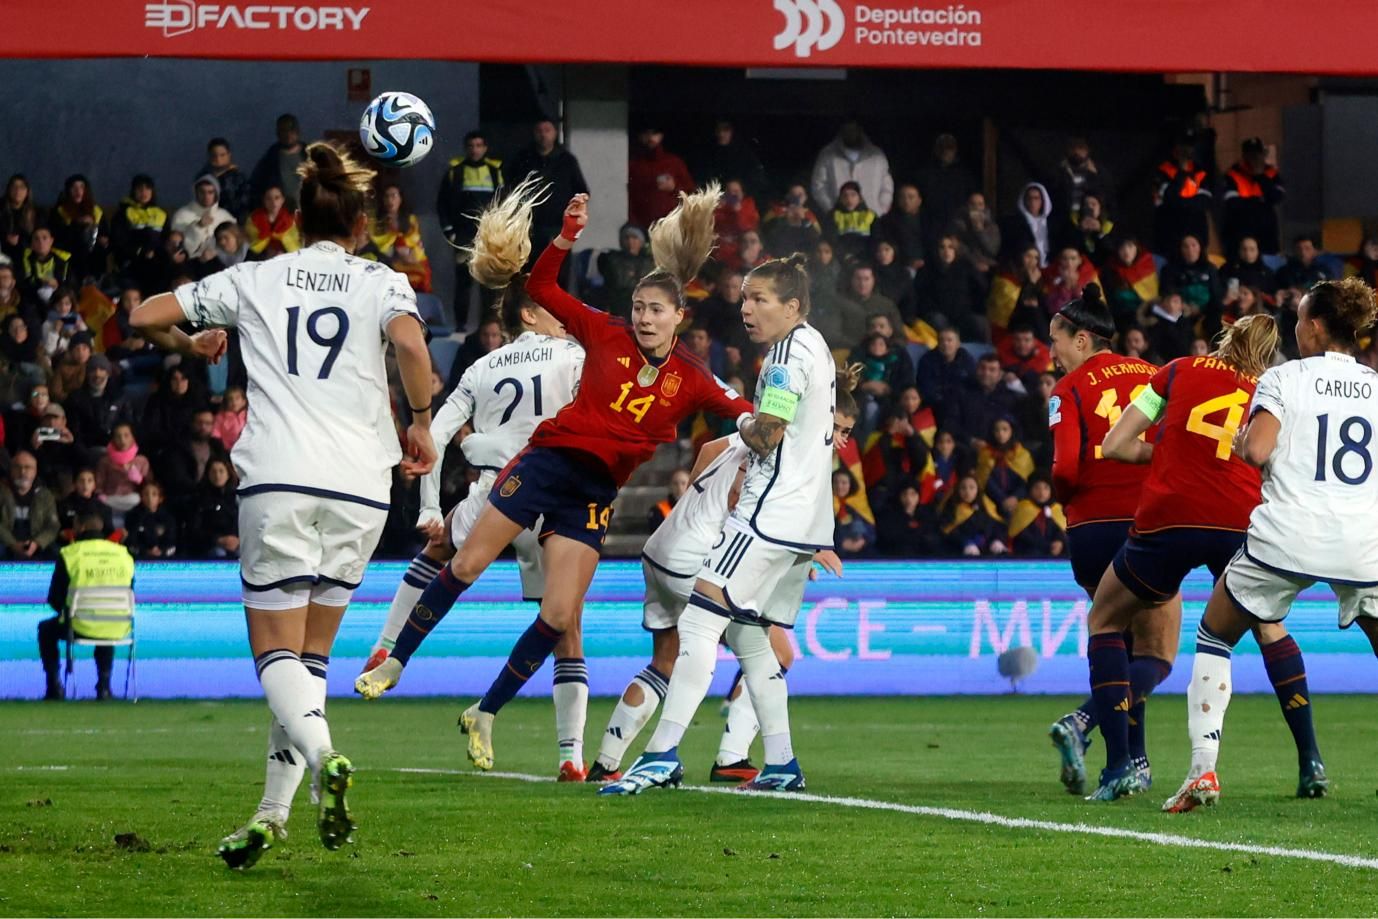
(478, 726)
(371, 684)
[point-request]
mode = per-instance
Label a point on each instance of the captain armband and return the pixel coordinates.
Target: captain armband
(779, 402)
(1151, 404)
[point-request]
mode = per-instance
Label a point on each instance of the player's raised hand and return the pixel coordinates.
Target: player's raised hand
(210, 345)
(576, 217)
(421, 453)
(830, 562)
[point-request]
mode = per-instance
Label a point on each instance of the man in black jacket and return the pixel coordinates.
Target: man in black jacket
(554, 164)
(976, 405)
(94, 410)
(278, 165)
(468, 187)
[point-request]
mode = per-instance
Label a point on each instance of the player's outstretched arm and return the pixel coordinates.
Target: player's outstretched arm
(762, 432)
(414, 366)
(1123, 443)
(1255, 442)
(158, 317)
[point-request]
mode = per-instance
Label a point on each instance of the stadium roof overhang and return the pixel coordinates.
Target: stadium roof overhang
(1333, 37)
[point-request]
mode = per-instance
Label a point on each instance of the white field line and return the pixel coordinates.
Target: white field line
(985, 817)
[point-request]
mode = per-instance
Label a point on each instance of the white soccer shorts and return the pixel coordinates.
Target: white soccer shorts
(666, 596)
(527, 545)
(760, 580)
(1268, 594)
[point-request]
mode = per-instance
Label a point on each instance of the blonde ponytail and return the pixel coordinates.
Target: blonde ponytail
(502, 243)
(682, 240)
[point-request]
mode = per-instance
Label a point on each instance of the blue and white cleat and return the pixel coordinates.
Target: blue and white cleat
(1119, 783)
(788, 777)
(651, 770)
(1145, 772)
(1071, 743)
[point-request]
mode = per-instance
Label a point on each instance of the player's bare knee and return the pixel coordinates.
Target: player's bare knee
(784, 651)
(1267, 633)
(633, 694)
(711, 591)
(664, 650)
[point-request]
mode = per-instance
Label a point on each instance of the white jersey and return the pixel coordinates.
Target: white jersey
(683, 539)
(787, 496)
(1320, 494)
(506, 394)
(313, 333)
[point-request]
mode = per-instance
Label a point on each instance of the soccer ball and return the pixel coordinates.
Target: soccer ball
(397, 129)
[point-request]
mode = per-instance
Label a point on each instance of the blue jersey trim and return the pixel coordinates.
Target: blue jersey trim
(299, 579)
(314, 492)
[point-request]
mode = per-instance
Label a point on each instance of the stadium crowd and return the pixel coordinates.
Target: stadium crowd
(944, 304)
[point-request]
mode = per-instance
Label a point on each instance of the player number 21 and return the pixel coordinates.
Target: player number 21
(1109, 407)
(637, 408)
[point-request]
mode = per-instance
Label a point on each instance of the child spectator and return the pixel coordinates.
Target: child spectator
(231, 247)
(397, 235)
(272, 228)
(83, 501)
(679, 484)
(886, 370)
(901, 449)
(949, 462)
(214, 512)
(1130, 279)
(969, 523)
(904, 527)
(63, 321)
(121, 471)
(1003, 467)
(850, 223)
(1038, 526)
(70, 373)
(234, 414)
(151, 529)
(853, 534)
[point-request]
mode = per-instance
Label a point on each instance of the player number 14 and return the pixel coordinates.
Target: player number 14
(637, 408)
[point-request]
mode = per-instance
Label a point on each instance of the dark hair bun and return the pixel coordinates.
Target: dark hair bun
(1092, 295)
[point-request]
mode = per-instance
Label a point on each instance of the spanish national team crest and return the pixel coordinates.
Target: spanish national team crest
(670, 385)
(510, 486)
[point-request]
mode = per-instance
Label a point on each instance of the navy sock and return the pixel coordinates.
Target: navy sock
(1085, 715)
(1109, 660)
(527, 656)
(1145, 673)
(318, 664)
(436, 601)
(1287, 671)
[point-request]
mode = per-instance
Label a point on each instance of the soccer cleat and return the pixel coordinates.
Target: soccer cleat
(788, 777)
(569, 772)
(1145, 772)
(1119, 783)
(599, 773)
(1202, 791)
(371, 684)
(1313, 783)
(478, 727)
(1071, 743)
(243, 848)
(379, 655)
(336, 823)
(663, 771)
(736, 773)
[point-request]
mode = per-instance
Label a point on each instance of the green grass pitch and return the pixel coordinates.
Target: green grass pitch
(180, 775)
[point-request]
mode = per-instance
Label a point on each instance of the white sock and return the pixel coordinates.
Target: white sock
(422, 570)
(295, 698)
(571, 694)
(765, 683)
(699, 631)
(740, 730)
(286, 766)
(1208, 696)
(627, 720)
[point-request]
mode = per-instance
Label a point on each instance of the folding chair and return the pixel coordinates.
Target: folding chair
(101, 606)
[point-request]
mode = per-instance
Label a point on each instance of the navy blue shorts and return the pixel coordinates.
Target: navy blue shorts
(1153, 565)
(1093, 547)
(573, 495)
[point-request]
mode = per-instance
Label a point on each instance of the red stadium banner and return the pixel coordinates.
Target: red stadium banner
(1333, 37)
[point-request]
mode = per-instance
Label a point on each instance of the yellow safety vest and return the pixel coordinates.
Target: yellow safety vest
(98, 563)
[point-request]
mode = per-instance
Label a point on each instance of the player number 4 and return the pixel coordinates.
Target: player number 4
(1223, 434)
(637, 408)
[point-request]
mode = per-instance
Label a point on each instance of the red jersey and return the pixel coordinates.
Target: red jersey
(1195, 480)
(623, 410)
(1085, 404)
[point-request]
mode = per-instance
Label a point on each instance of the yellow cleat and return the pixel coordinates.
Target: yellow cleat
(478, 726)
(371, 684)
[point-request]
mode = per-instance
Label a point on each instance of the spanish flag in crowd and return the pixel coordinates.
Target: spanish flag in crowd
(1127, 287)
(849, 458)
(1028, 512)
(97, 310)
(1013, 461)
(1002, 299)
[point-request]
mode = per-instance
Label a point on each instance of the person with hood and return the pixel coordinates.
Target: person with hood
(137, 229)
(623, 268)
(852, 158)
(947, 182)
(1028, 225)
(655, 177)
(278, 165)
(234, 184)
(198, 220)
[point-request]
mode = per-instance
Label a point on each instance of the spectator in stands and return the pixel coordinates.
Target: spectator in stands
(945, 370)
(11, 299)
(28, 513)
(555, 165)
(63, 321)
(1249, 269)
(825, 271)
(55, 448)
(950, 461)
(235, 193)
(1362, 264)
(1003, 466)
(732, 157)
(487, 337)
(1038, 526)
(167, 412)
(79, 228)
(1170, 330)
(44, 267)
(946, 182)
(970, 411)
(735, 215)
(751, 251)
(197, 220)
(655, 177)
(893, 279)
(1092, 230)
(1028, 225)
(157, 272)
(623, 268)
(70, 373)
(850, 224)
(214, 514)
(277, 167)
(909, 228)
(904, 527)
(1181, 198)
(1252, 189)
(1023, 356)
(137, 357)
(1134, 343)
(20, 424)
(790, 226)
(83, 502)
(182, 465)
(950, 291)
(1032, 419)
(853, 534)
(272, 227)
(1242, 301)
(968, 524)
(151, 528)
(1302, 269)
(886, 369)
(702, 346)
(19, 217)
(852, 158)
(1079, 176)
(1130, 279)
(120, 472)
(978, 233)
(1073, 273)
(1016, 295)
(1192, 275)
(862, 291)
(679, 484)
(396, 233)
(904, 444)
(231, 248)
(234, 415)
(469, 185)
(136, 232)
(721, 314)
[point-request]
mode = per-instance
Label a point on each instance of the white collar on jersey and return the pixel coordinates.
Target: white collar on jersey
(326, 245)
(1341, 356)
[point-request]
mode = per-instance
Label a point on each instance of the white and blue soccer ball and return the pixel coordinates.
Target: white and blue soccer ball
(397, 129)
